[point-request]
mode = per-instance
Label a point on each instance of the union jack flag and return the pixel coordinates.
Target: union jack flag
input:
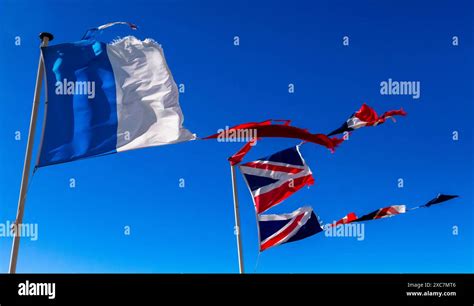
(278, 229)
(385, 212)
(274, 178)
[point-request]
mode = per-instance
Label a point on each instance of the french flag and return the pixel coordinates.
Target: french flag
(107, 98)
(274, 178)
(283, 228)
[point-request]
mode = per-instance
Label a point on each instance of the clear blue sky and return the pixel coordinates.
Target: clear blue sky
(191, 229)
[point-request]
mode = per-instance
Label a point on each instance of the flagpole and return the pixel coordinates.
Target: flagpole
(45, 38)
(237, 221)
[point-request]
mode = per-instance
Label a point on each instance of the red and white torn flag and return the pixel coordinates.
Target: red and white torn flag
(366, 116)
(350, 217)
(269, 129)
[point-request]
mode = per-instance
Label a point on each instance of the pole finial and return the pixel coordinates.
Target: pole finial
(42, 35)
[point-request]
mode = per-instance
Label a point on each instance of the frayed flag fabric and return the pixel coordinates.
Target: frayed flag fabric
(283, 228)
(350, 217)
(274, 178)
(107, 98)
(440, 198)
(385, 212)
(237, 157)
(269, 129)
(366, 116)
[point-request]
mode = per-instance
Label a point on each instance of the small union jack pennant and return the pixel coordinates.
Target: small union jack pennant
(385, 212)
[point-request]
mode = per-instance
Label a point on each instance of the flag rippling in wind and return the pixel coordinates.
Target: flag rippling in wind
(274, 178)
(237, 157)
(440, 198)
(107, 98)
(366, 116)
(385, 212)
(350, 217)
(283, 228)
(269, 129)
(392, 210)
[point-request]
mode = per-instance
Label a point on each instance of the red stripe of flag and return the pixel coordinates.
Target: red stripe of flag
(272, 241)
(237, 157)
(347, 219)
(267, 129)
(277, 195)
(386, 211)
(263, 166)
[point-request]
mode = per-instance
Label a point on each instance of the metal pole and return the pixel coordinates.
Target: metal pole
(237, 222)
(45, 38)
